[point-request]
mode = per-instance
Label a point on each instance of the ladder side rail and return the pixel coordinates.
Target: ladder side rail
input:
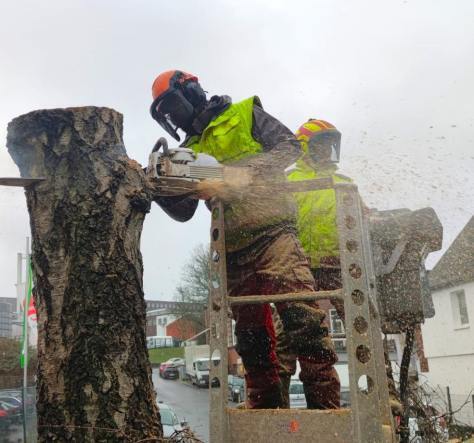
(218, 318)
(366, 420)
(376, 331)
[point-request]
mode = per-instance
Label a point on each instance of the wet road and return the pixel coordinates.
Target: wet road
(189, 402)
(14, 434)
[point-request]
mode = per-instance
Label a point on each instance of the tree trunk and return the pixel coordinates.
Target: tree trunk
(94, 378)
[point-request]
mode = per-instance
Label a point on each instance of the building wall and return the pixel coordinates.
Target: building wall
(457, 373)
(442, 336)
(6, 313)
(157, 322)
(150, 330)
(449, 348)
(182, 329)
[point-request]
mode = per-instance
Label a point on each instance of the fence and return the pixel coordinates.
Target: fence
(20, 418)
(459, 406)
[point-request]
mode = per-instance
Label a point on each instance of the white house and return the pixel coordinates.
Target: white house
(449, 336)
(164, 318)
(157, 321)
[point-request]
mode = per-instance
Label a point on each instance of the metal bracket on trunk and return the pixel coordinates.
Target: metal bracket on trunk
(21, 182)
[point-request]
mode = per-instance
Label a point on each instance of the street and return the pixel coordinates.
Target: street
(14, 434)
(189, 402)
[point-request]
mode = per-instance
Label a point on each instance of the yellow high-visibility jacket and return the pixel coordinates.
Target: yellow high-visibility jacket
(316, 220)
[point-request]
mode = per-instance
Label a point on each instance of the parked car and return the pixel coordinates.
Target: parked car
(177, 361)
(5, 420)
(15, 406)
(170, 421)
(168, 370)
(297, 397)
(12, 413)
(16, 401)
(345, 397)
(236, 388)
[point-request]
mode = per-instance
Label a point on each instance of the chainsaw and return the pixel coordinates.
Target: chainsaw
(178, 171)
(181, 164)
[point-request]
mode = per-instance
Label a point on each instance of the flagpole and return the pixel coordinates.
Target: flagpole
(25, 335)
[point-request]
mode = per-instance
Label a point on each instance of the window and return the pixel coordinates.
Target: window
(391, 345)
(296, 388)
(168, 417)
(335, 323)
(203, 365)
(459, 307)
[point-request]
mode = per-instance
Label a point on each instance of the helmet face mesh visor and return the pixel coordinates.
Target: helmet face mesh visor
(325, 147)
(173, 111)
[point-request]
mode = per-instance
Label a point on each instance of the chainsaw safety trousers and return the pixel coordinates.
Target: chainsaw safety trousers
(275, 266)
(320, 380)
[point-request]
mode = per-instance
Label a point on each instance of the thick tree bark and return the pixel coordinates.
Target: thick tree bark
(94, 378)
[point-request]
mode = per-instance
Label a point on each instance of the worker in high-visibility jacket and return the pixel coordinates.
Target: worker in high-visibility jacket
(316, 225)
(263, 255)
(316, 222)
(317, 231)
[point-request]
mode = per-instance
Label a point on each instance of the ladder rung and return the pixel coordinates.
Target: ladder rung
(289, 425)
(290, 296)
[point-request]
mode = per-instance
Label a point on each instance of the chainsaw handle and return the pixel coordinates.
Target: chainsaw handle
(161, 142)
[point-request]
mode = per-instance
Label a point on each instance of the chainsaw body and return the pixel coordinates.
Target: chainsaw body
(182, 164)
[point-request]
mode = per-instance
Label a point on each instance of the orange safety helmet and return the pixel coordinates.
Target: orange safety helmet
(183, 98)
(166, 81)
(315, 133)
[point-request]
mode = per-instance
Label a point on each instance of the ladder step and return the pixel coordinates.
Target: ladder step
(290, 296)
(289, 425)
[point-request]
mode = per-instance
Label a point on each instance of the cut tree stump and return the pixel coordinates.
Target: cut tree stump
(94, 378)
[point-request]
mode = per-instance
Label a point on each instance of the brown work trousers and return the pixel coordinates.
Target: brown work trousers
(329, 279)
(325, 279)
(274, 266)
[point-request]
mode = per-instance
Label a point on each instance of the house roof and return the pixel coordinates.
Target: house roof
(456, 266)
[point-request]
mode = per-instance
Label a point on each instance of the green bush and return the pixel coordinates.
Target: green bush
(160, 355)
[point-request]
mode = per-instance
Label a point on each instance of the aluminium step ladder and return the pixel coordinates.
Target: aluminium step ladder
(369, 418)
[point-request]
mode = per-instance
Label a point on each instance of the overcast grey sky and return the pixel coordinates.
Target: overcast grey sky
(396, 77)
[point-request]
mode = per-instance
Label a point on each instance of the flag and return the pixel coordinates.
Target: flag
(28, 309)
(31, 308)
